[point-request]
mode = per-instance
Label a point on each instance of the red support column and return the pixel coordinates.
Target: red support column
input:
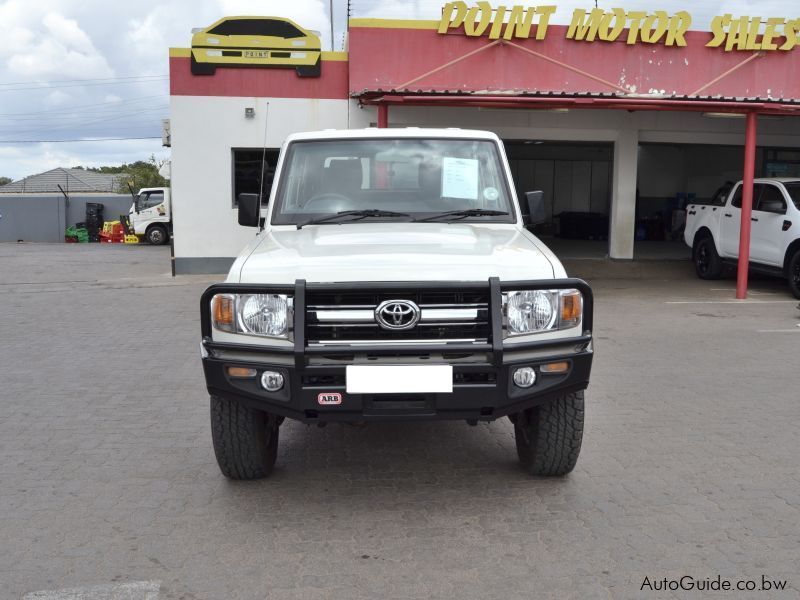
(747, 204)
(383, 115)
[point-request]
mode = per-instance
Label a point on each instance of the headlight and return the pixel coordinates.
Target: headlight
(536, 311)
(266, 315)
(530, 311)
(263, 314)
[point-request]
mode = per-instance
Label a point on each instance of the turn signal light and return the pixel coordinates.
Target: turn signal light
(242, 372)
(222, 312)
(571, 308)
(555, 367)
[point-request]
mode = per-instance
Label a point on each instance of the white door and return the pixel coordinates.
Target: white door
(730, 225)
(152, 209)
(768, 230)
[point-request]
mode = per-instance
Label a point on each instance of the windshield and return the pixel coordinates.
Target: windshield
(417, 177)
(794, 191)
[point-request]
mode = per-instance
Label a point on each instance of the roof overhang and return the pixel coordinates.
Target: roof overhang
(412, 63)
(526, 100)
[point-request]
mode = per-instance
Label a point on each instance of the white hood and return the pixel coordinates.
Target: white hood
(396, 252)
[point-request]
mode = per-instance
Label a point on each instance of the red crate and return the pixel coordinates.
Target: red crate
(112, 238)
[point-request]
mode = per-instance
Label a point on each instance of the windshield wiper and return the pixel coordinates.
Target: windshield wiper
(463, 214)
(356, 214)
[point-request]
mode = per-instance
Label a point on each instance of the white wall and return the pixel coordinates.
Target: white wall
(204, 130)
(665, 170)
(662, 171)
(706, 171)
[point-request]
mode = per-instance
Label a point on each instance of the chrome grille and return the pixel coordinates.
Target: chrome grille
(348, 317)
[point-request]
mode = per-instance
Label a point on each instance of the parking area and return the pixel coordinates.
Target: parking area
(107, 474)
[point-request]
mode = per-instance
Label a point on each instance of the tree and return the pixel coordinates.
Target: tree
(140, 174)
(5, 180)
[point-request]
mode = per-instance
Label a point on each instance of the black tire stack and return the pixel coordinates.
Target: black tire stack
(94, 220)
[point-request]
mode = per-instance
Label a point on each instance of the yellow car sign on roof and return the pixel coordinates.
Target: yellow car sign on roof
(256, 42)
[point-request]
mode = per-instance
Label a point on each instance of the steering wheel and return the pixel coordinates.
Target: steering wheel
(329, 202)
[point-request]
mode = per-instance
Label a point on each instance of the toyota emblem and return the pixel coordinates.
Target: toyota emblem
(396, 315)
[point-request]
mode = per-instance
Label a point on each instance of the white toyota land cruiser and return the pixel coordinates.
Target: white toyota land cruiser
(393, 278)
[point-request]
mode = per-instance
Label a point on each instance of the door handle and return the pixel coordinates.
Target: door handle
(728, 215)
(753, 219)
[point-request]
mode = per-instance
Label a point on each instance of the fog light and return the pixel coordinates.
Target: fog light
(271, 381)
(524, 377)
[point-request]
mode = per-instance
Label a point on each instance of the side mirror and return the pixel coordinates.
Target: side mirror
(249, 210)
(536, 214)
(136, 204)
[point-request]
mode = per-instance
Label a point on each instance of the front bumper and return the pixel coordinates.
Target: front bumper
(273, 57)
(483, 388)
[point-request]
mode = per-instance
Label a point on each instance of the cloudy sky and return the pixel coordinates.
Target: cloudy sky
(78, 69)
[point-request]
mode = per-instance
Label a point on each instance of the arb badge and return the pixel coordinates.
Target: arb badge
(329, 399)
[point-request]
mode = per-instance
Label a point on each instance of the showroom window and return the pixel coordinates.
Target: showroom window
(259, 27)
(247, 172)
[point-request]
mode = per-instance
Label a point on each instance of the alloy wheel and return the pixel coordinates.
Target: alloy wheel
(702, 258)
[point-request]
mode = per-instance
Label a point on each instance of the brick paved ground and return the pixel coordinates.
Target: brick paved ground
(107, 475)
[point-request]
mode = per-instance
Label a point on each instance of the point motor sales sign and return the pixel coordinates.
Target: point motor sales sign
(728, 32)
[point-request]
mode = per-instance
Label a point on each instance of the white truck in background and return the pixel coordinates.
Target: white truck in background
(151, 215)
(712, 230)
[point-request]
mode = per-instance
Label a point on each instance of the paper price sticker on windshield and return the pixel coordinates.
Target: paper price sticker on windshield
(460, 178)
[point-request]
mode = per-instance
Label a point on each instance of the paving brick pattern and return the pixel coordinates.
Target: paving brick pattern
(107, 475)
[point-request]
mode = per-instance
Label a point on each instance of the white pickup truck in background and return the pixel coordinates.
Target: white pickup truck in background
(712, 230)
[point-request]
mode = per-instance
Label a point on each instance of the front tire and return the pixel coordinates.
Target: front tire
(245, 439)
(549, 436)
(157, 235)
(794, 274)
(707, 262)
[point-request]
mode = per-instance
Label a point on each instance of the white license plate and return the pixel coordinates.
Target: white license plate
(399, 379)
(256, 54)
